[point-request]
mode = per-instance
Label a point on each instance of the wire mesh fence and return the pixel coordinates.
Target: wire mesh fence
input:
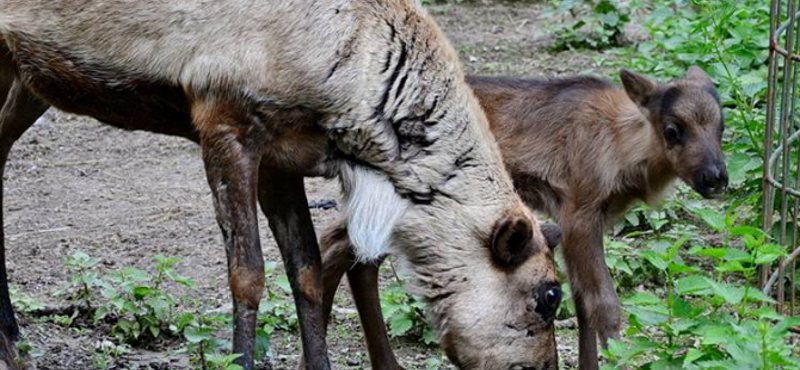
(782, 152)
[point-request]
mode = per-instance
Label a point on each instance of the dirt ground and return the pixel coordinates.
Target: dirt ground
(125, 197)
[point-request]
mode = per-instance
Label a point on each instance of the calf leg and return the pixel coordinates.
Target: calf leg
(20, 111)
(363, 280)
(596, 301)
(283, 200)
(338, 258)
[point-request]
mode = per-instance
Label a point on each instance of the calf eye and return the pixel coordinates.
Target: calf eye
(672, 134)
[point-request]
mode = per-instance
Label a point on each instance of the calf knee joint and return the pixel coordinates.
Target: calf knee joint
(310, 281)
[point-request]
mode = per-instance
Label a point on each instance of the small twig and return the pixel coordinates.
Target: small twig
(394, 272)
(11, 237)
(774, 277)
(795, 329)
(522, 24)
(58, 311)
(76, 163)
(202, 355)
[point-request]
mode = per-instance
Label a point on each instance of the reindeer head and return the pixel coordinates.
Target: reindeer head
(491, 289)
(687, 118)
(504, 318)
(494, 307)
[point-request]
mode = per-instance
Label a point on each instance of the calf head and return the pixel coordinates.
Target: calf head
(687, 118)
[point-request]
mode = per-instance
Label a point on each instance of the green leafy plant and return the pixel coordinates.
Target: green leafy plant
(276, 311)
(84, 280)
(706, 322)
(139, 303)
(198, 329)
(23, 302)
(106, 354)
(218, 361)
(404, 314)
(593, 24)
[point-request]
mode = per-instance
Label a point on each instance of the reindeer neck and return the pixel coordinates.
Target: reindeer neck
(646, 171)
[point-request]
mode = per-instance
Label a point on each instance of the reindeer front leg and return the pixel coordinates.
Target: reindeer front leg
(283, 200)
(231, 158)
(596, 301)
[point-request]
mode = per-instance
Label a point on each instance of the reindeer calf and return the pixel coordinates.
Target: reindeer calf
(581, 150)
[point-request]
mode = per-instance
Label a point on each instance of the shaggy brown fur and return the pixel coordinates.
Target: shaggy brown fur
(582, 150)
(277, 90)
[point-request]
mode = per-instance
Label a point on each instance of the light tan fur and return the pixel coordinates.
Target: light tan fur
(382, 85)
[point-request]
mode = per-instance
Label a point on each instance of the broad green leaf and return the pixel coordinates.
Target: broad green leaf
(283, 282)
(766, 312)
(649, 315)
(693, 284)
(642, 299)
(738, 166)
(682, 308)
(195, 334)
(712, 218)
(731, 294)
(155, 330)
(754, 294)
(769, 253)
(714, 334)
(400, 326)
(140, 292)
(654, 259)
(692, 355)
(262, 350)
(717, 253)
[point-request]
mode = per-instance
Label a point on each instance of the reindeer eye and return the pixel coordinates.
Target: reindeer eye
(548, 300)
(552, 298)
(672, 134)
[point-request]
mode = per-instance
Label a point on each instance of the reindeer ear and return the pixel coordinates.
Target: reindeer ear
(697, 74)
(638, 87)
(552, 234)
(511, 242)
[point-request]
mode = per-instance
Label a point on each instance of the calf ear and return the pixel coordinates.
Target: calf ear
(697, 74)
(638, 87)
(511, 241)
(552, 234)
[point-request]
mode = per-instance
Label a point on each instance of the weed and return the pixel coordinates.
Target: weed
(404, 313)
(595, 24)
(84, 280)
(22, 302)
(140, 304)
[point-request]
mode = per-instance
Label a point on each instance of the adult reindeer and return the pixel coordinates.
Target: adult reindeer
(277, 90)
(581, 150)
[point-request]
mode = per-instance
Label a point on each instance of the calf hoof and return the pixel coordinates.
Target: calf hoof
(606, 317)
(8, 355)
